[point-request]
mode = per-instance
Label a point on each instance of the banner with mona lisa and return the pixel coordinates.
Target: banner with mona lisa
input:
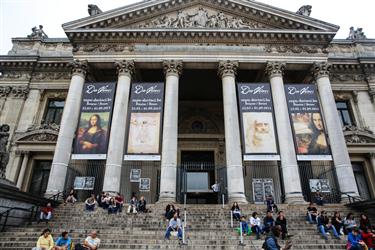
(307, 122)
(91, 140)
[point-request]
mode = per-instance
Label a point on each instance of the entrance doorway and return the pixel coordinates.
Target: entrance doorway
(361, 180)
(39, 180)
(197, 175)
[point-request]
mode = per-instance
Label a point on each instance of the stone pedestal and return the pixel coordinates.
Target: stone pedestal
(236, 189)
(343, 167)
(115, 154)
(289, 166)
(68, 127)
(173, 70)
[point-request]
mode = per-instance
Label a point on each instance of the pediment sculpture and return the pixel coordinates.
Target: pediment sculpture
(39, 133)
(200, 19)
(355, 135)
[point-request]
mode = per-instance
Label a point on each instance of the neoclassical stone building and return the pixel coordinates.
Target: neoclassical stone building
(208, 55)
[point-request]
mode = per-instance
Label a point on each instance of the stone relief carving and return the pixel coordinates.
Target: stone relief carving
(4, 154)
(19, 92)
(44, 126)
(93, 10)
(201, 19)
(4, 91)
(101, 48)
(16, 75)
(357, 135)
(305, 10)
(37, 33)
(39, 133)
(275, 68)
(172, 67)
(40, 137)
(125, 67)
(347, 77)
(321, 70)
(51, 76)
(295, 49)
(227, 68)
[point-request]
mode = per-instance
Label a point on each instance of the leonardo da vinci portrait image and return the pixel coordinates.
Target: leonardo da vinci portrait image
(259, 133)
(144, 133)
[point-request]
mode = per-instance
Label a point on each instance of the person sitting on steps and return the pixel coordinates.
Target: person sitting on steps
(245, 226)
(271, 206)
(281, 221)
(355, 241)
(324, 226)
(45, 241)
(132, 205)
(119, 202)
(349, 223)
(91, 242)
(271, 243)
(169, 211)
(236, 211)
(72, 197)
(255, 225)
(112, 208)
(312, 213)
(64, 242)
(105, 201)
(368, 238)
(46, 213)
(337, 222)
(90, 203)
(174, 226)
(268, 222)
(142, 205)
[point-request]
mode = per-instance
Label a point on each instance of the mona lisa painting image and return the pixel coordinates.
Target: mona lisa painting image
(92, 134)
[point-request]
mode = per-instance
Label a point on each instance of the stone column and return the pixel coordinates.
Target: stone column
(29, 110)
(289, 166)
(343, 166)
(115, 154)
(21, 176)
(236, 189)
(371, 157)
(172, 70)
(68, 126)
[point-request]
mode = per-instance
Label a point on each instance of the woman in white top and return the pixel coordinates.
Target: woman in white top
(255, 224)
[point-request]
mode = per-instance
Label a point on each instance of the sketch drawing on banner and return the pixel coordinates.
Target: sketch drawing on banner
(320, 185)
(144, 184)
(84, 183)
(144, 132)
(135, 175)
(259, 132)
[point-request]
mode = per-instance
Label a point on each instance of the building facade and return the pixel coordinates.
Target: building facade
(207, 56)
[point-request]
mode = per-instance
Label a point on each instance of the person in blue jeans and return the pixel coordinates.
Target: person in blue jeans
(255, 225)
(355, 241)
(324, 226)
(268, 222)
(174, 225)
(244, 225)
(312, 213)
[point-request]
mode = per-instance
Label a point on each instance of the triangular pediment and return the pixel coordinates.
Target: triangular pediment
(199, 14)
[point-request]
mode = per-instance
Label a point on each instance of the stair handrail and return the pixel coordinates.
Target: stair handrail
(33, 211)
(352, 199)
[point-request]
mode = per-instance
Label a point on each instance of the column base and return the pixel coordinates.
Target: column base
(295, 199)
(239, 198)
(167, 197)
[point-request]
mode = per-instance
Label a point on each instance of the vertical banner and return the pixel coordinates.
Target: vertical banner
(91, 141)
(258, 129)
(307, 123)
(145, 120)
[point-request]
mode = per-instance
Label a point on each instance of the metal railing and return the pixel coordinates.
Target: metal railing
(184, 223)
(11, 213)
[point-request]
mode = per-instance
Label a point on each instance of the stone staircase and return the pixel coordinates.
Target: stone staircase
(208, 227)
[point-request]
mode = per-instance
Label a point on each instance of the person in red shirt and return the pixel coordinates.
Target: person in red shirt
(119, 202)
(46, 213)
(369, 238)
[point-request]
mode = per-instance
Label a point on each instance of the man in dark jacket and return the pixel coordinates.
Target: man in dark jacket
(268, 222)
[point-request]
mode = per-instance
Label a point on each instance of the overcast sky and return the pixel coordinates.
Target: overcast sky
(17, 17)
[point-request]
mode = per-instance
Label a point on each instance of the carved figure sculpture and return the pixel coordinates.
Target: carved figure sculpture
(93, 10)
(357, 34)
(4, 154)
(37, 33)
(305, 10)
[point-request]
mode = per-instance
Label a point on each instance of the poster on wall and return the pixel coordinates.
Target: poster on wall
(135, 175)
(144, 184)
(307, 123)
(145, 121)
(84, 183)
(92, 135)
(319, 185)
(258, 127)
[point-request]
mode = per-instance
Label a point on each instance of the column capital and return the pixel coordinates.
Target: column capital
(321, 69)
(79, 67)
(172, 67)
(227, 68)
(275, 69)
(125, 67)
(371, 156)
